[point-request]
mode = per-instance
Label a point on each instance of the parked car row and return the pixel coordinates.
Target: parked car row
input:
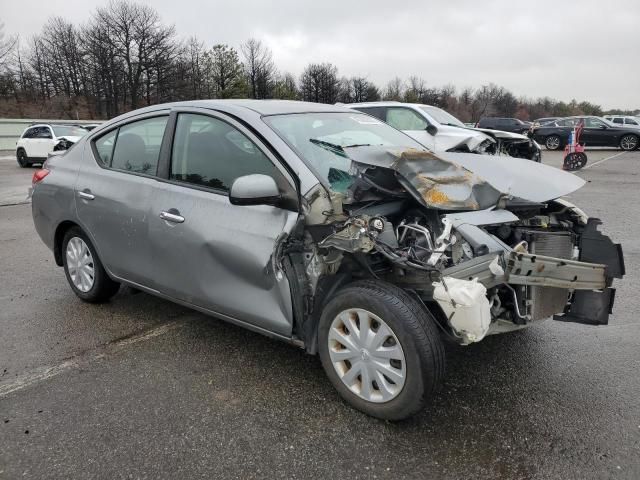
(616, 131)
(329, 229)
(598, 132)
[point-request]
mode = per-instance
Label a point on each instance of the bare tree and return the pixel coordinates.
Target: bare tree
(138, 38)
(285, 87)
(7, 45)
(394, 90)
(319, 83)
(259, 68)
(357, 89)
(416, 87)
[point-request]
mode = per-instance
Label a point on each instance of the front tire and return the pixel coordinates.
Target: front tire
(553, 142)
(381, 349)
(629, 142)
(84, 270)
(22, 158)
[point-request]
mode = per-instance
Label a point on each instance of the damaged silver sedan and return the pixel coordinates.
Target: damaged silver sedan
(326, 228)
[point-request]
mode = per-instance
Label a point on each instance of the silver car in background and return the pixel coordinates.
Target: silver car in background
(328, 229)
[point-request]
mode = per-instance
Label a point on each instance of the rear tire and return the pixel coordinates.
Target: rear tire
(84, 270)
(553, 142)
(412, 335)
(22, 158)
(629, 142)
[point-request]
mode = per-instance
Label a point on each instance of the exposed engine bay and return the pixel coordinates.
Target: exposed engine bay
(484, 257)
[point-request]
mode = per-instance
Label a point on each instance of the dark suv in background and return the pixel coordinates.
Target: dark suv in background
(505, 124)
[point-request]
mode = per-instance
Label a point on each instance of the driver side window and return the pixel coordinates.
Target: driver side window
(592, 123)
(212, 153)
(405, 119)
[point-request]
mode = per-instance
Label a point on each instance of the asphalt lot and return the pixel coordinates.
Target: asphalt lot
(142, 388)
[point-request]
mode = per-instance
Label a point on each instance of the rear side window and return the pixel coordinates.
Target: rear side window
(104, 146)
(378, 112)
(138, 146)
(631, 121)
(618, 120)
(134, 147)
(212, 153)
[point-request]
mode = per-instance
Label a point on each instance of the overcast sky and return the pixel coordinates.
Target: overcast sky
(583, 49)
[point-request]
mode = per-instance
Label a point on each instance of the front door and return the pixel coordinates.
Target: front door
(113, 196)
(208, 252)
(597, 134)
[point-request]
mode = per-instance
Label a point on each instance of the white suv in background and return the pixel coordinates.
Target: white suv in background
(37, 141)
(626, 120)
(440, 131)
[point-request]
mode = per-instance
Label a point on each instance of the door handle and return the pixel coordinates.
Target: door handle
(172, 216)
(86, 195)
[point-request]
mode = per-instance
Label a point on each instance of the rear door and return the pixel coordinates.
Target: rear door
(208, 252)
(113, 195)
(28, 141)
(42, 143)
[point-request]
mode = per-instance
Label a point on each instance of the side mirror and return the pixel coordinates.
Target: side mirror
(603, 127)
(431, 129)
(255, 189)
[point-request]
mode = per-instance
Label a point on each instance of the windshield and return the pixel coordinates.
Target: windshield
(323, 140)
(442, 117)
(68, 131)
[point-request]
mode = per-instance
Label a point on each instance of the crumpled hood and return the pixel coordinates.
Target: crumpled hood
(502, 134)
(467, 181)
(448, 138)
(71, 138)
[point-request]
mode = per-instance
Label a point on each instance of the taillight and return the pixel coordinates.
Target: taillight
(39, 175)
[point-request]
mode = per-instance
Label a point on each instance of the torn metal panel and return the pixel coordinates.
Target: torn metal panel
(529, 269)
(482, 217)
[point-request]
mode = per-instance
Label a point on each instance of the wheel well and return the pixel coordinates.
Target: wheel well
(57, 240)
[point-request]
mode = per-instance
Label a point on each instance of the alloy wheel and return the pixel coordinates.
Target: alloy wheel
(629, 142)
(80, 264)
(552, 143)
(367, 355)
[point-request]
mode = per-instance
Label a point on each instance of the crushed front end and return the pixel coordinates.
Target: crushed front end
(482, 259)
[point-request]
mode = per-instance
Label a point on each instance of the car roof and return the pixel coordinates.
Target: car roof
(262, 107)
(386, 103)
(54, 125)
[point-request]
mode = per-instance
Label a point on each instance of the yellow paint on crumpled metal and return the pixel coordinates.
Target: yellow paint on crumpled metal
(441, 183)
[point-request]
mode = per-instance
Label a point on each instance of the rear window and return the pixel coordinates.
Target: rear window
(134, 147)
(68, 131)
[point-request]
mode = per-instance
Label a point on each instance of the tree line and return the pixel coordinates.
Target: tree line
(124, 57)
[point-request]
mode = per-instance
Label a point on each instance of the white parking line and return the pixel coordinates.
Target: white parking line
(41, 374)
(603, 160)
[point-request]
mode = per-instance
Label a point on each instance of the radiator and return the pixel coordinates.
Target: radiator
(548, 301)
